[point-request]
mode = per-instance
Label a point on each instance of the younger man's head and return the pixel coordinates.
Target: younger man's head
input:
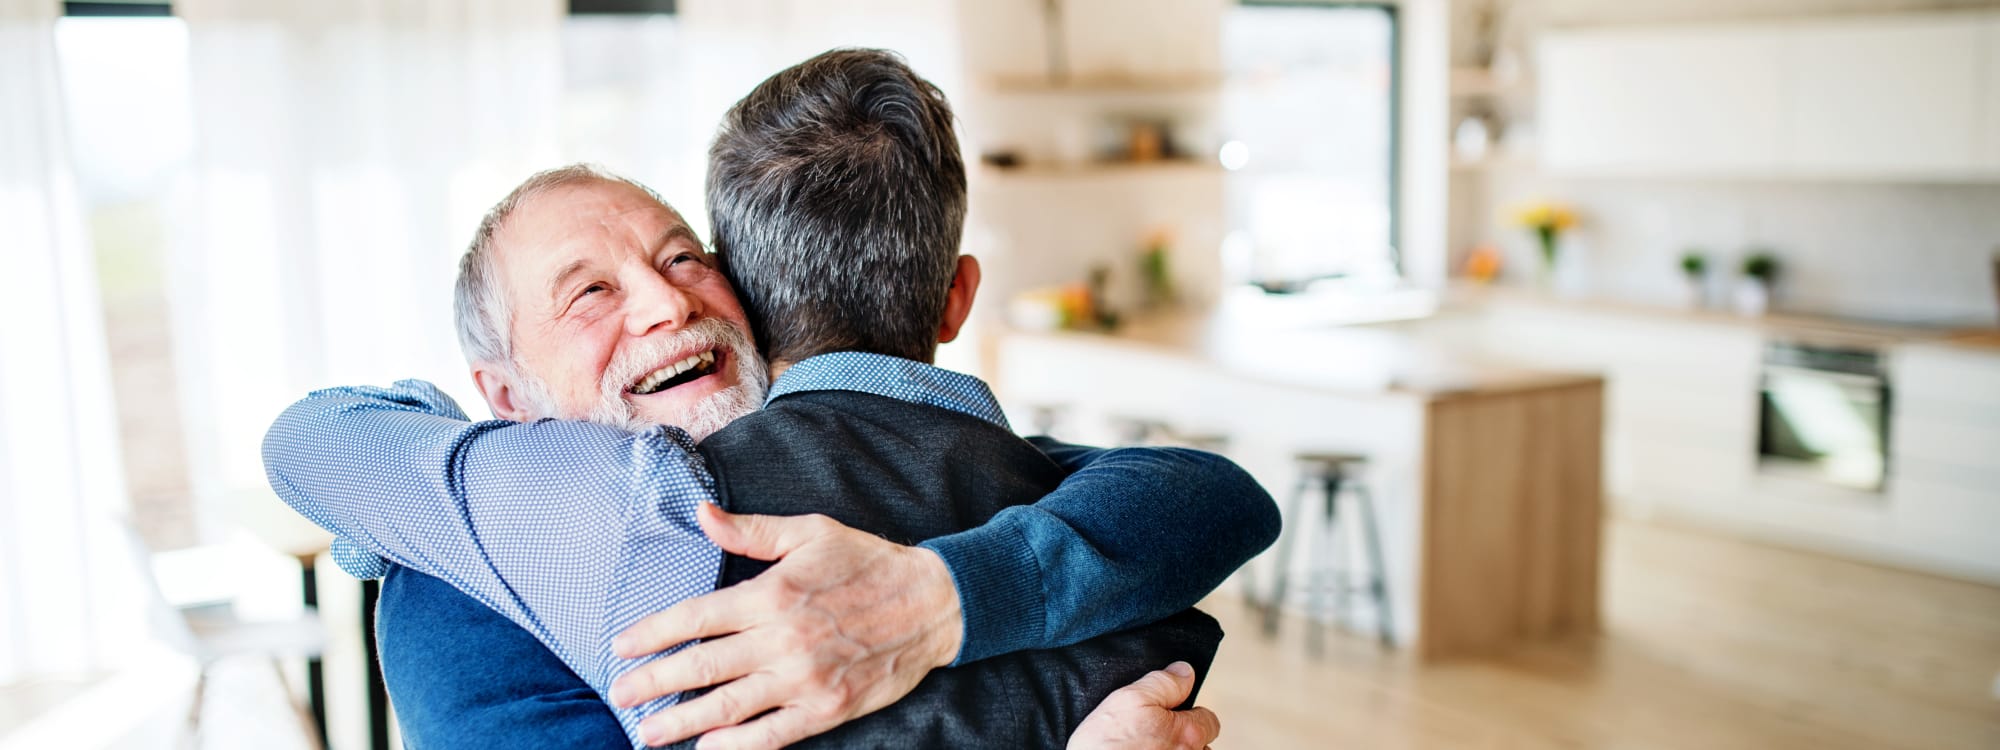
(837, 198)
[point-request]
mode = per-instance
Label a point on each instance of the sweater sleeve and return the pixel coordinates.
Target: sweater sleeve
(1131, 536)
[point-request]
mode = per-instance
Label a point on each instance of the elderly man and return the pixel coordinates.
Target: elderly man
(839, 199)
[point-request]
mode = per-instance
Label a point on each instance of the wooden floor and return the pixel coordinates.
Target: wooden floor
(1708, 643)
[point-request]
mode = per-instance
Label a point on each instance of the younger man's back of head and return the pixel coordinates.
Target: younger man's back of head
(837, 197)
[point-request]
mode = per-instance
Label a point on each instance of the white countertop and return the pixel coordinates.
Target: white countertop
(1352, 359)
(1984, 338)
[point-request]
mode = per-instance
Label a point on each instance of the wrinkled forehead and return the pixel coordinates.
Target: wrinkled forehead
(590, 222)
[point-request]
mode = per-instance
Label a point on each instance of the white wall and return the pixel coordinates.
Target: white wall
(732, 45)
(1855, 249)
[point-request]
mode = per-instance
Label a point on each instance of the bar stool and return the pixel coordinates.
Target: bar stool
(1331, 473)
(1130, 431)
(1137, 431)
(1044, 418)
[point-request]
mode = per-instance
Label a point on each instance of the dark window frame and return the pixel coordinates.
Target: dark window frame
(118, 10)
(623, 7)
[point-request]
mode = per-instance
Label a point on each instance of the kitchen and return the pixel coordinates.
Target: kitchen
(1627, 371)
(1770, 231)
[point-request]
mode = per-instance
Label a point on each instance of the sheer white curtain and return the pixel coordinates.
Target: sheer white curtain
(343, 154)
(70, 595)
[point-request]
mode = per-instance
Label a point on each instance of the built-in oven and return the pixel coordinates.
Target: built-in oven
(1824, 414)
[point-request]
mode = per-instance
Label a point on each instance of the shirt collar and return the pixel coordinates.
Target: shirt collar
(891, 377)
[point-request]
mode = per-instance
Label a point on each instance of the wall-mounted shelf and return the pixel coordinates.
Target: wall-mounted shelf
(1492, 163)
(1470, 82)
(1102, 169)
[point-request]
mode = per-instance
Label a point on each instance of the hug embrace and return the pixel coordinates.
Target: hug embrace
(728, 499)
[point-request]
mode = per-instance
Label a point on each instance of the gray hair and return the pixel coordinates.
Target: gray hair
(837, 200)
(478, 301)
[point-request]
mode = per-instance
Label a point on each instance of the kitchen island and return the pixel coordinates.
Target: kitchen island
(1486, 477)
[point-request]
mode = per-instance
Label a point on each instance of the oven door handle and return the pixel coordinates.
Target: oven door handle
(1844, 378)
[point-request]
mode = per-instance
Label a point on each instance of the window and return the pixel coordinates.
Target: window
(621, 7)
(123, 69)
(118, 9)
(1310, 121)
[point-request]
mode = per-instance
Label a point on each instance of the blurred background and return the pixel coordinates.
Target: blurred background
(1628, 371)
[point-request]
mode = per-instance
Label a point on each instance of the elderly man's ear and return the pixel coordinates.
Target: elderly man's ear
(496, 385)
(958, 301)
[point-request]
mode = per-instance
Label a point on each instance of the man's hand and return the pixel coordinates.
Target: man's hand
(1141, 716)
(844, 624)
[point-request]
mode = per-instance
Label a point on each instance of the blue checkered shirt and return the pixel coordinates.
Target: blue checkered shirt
(579, 529)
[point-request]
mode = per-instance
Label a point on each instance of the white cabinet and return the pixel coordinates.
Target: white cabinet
(1944, 454)
(1892, 97)
(1681, 434)
(1680, 404)
(1889, 97)
(1684, 100)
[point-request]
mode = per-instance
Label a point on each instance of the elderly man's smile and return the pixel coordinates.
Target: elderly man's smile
(688, 370)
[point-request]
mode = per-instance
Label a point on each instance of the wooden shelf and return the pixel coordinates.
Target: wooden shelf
(1492, 163)
(1480, 82)
(1101, 169)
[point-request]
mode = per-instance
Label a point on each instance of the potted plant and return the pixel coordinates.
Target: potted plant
(1547, 220)
(1694, 265)
(1760, 271)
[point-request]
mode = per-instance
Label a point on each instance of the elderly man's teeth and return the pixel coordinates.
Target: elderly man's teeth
(659, 377)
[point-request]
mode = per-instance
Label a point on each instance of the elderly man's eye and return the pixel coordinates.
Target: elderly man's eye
(592, 289)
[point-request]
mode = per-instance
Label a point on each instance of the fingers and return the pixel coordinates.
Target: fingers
(1196, 727)
(707, 663)
(760, 537)
(724, 706)
(780, 728)
(716, 613)
(1164, 688)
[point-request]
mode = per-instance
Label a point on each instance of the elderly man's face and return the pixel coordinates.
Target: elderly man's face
(619, 316)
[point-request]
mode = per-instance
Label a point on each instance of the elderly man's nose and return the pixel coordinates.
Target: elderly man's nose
(655, 303)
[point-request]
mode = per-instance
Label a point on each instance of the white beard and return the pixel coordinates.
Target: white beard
(703, 419)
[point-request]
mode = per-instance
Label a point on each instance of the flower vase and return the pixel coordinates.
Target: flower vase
(1563, 269)
(1545, 272)
(1753, 298)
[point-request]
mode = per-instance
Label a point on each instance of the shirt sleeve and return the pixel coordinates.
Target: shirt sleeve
(1131, 536)
(535, 520)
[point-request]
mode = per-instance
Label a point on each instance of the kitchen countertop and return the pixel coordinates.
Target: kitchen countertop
(1347, 360)
(1780, 324)
(1379, 359)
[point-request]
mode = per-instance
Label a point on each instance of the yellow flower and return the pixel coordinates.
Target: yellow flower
(1545, 215)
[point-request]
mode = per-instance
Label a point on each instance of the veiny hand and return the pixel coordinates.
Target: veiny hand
(1141, 716)
(845, 623)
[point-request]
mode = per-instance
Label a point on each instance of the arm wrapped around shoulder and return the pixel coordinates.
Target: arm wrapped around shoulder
(1029, 698)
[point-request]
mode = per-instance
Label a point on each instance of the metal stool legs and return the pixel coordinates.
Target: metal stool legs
(1286, 539)
(1377, 573)
(1327, 581)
